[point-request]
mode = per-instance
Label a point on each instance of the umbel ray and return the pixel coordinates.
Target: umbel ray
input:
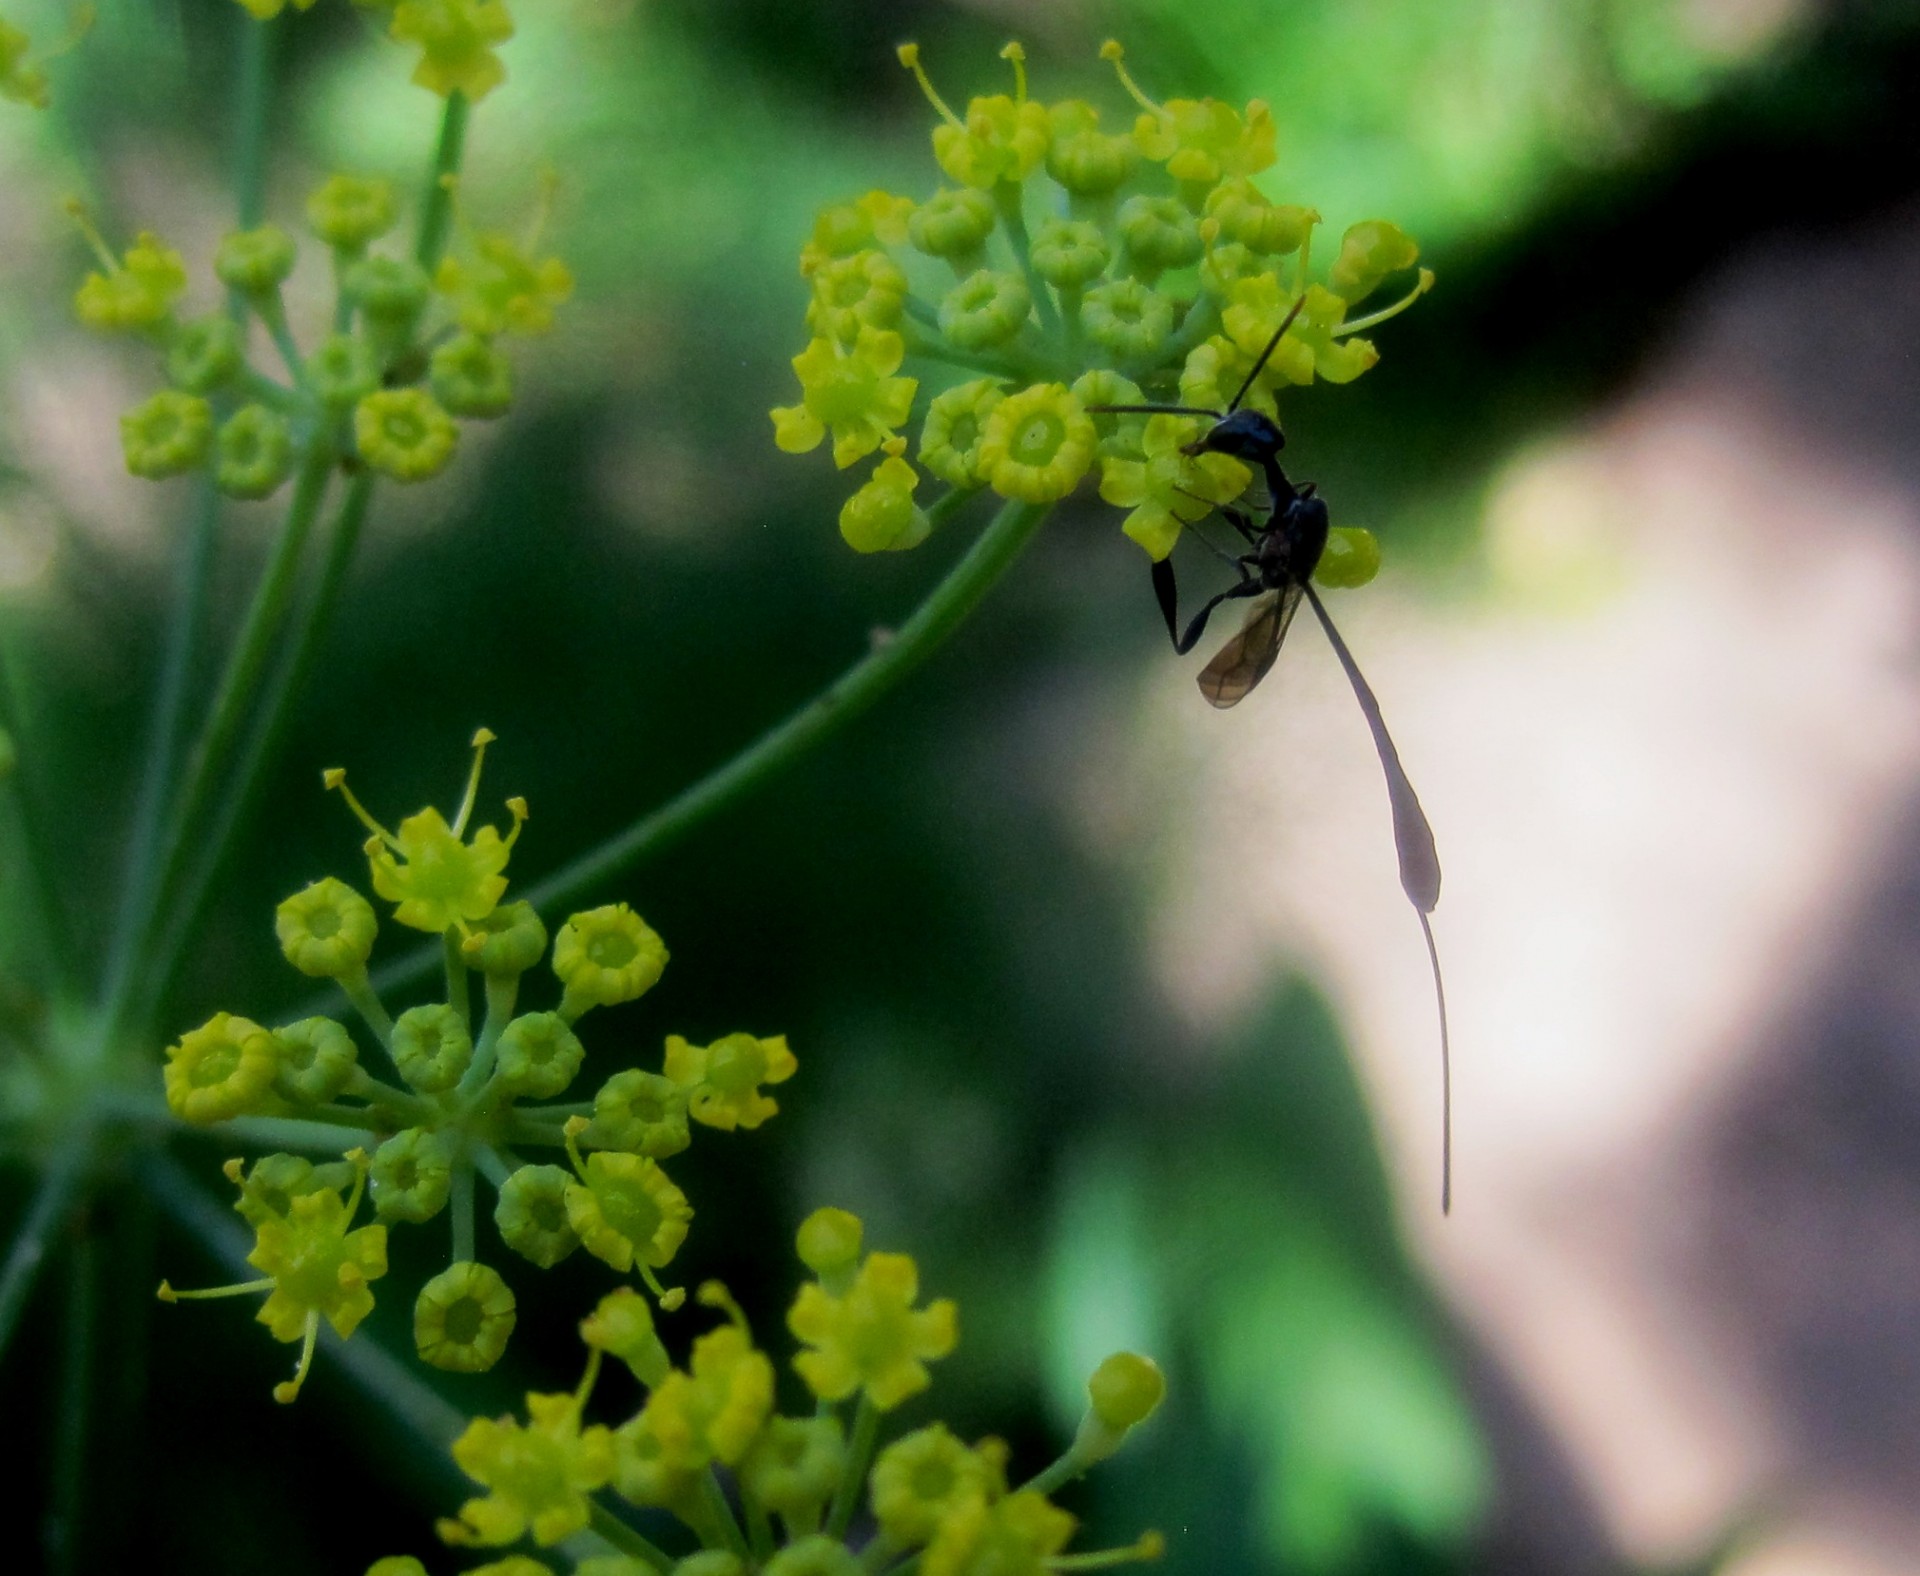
(1275, 574)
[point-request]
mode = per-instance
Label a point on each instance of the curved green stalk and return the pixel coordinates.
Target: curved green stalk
(239, 683)
(436, 202)
(59, 1186)
(287, 683)
(846, 698)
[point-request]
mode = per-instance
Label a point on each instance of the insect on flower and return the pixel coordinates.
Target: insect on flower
(1275, 574)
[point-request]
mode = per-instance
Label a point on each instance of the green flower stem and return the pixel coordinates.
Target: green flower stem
(1026, 367)
(846, 698)
(1006, 197)
(274, 315)
(523, 1131)
(288, 681)
(22, 789)
(358, 989)
(61, 1533)
(1064, 1470)
(287, 1132)
(240, 682)
(1202, 320)
(492, 1165)
(721, 1514)
(460, 1207)
(436, 203)
(625, 1539)
(458, 997)
(853, 1472)
(59, 1187)
(759, 1528)
(842, 701)
(253, 99)
(503, 990)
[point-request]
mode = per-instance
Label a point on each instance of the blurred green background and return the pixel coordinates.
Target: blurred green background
(628, 582)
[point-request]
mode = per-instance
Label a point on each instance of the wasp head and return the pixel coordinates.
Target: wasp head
(1245, 434)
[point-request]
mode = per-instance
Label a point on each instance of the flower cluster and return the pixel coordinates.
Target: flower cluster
(1062, 268)
(765, 1492)
(465, 1099)
(410, 351)
(456, 38)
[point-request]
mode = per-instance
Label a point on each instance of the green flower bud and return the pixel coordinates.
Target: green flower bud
(205, 354)
(1128, 319)
(507, 942)
(317, 1060)
(1247, 218)
(471, 378)
(222, 1069)
(794, 1466)
(1369, 251)
(1122, 437)
(814, 1555)
(167, 435)
(342, 371)
(326, 930)
(255, 453)
(829, 1244)
(868, 288)
(463, 1318)
(641, 1113)
(403, 433)
(1070, 253)
(1225, 265)
(255, 262)
(622, 1326)
(347, 213)
(431, 1047)
(950, 436)
(271, 1185)
(411, 1175)
(389, 290)
(137, 292)
(1158, 233)
(605, 956)
(985, 309)
(1083, 159)
(952, 224)
(881, 516)
(1123, 1393)
(1351, 558)
(532, 1215)
(539, 1055)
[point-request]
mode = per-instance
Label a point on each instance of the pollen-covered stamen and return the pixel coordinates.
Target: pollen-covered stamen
(289, 1391)
(1017, 55)
(335, 777)
(1421, 286)
(714, 1294)
(481, 739)
(1149, 1546)
(83, 222)
(1112, 51)
(910, 58)
(168, 1293)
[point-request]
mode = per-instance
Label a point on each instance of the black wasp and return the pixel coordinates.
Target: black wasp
(1275, 573)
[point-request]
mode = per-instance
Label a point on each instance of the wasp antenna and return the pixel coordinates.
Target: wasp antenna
(1272, 344)
(1152, 410)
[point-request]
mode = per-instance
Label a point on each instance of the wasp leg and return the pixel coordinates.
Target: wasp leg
(1168, 595)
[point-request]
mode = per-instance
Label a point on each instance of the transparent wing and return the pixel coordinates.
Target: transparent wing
(1246, 659)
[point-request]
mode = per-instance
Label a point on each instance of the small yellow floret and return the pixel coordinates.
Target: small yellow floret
(725, 1077)
(456, 39)
(539, 1474)
(872, 1338)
